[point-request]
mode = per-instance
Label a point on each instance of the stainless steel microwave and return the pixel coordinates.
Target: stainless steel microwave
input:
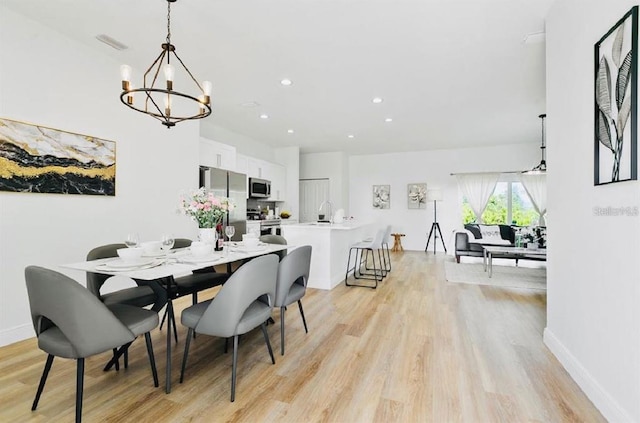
(259, 188)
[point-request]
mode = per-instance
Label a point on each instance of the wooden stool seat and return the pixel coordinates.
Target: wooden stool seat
(397, 242)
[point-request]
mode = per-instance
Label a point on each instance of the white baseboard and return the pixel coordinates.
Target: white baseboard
(15, 334)
(606, 404)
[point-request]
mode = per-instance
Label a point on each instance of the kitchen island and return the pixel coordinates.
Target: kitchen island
(330, 242)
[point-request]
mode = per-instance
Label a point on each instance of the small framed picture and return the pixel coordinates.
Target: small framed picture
(417, 196)
(381, 196)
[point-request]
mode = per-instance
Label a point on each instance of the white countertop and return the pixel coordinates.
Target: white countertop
(345, 226)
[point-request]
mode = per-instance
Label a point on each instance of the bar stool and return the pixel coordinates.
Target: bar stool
(379, 272)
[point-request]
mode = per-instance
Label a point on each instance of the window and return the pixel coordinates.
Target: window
(508, 203)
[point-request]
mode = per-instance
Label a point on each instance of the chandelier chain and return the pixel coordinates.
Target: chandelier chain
(168, 22)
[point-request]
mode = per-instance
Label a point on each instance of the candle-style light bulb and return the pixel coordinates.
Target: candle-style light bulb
(167, 106)
(169, 73)
(130, 95)
(206, 88)
(125, 73)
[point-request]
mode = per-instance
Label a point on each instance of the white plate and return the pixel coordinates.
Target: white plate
(154, 255)
(196, 260)
(109, 268)
(119, 263)
(251, 249)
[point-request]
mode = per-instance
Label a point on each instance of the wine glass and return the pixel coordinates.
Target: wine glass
(230, 232)
(167, 243)
(132, 240)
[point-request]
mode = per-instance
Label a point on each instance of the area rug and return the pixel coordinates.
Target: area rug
(503, 276)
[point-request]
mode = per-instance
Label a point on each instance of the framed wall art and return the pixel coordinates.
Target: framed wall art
(34, 158)
(381, 196)
(616, 102)
(417, 196)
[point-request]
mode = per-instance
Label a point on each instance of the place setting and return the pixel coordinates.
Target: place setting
(140, 256)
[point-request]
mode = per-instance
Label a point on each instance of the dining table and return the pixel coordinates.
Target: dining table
(171, 265)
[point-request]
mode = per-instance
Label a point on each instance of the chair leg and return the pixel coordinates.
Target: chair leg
(79, 389)
(233, 368)
(152, 359)
(266, 339)
(194, 298)
(226, 345)
(304, 321)
(43, 380)
(186, 352)
(172, 321)
(126, 359)
(115, 352)
(282, 311)
(164, 316)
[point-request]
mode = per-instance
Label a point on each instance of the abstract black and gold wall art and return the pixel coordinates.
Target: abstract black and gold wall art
(38, 159)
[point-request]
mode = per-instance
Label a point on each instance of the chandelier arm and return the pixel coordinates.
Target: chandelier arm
(155, 105)
(188, 71)
(155, 76)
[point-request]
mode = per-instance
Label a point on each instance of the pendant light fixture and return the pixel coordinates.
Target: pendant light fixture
(164, 103)
(542, 167)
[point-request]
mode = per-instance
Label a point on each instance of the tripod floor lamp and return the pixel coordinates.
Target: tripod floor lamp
(435, 195)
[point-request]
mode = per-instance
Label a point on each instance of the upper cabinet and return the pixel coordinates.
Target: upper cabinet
(278, 182)
(216, 154)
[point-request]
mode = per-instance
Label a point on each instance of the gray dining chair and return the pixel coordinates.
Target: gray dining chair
(244, 302)
(143, 295)
(275, 239)
(293, 274)
(191, 284)
(70, 322)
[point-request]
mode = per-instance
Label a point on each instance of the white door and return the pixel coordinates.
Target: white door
(312, 193)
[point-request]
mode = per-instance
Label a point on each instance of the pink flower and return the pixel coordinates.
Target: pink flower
(215, 202)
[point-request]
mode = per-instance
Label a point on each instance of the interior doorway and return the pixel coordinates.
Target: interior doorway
(312, 193)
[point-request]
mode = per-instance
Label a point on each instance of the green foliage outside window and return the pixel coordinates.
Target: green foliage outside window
(522, 212)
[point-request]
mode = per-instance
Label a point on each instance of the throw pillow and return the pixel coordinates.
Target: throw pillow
(490, 232)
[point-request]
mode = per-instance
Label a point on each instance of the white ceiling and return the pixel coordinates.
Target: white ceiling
(453, 73)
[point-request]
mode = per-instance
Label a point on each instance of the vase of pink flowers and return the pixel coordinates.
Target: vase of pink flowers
(207, 210)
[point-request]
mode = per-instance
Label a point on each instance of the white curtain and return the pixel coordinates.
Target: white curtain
(477, 189)
(536, 187)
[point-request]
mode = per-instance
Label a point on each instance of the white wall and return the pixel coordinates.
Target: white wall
(333, 166)
(433, 168)
(593, 296)
(50, 80)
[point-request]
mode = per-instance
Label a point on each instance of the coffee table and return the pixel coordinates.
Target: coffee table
(489, 253)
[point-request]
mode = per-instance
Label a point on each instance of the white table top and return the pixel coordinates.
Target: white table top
(174, 266)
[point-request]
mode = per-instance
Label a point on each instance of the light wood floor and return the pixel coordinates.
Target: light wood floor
(417, 349)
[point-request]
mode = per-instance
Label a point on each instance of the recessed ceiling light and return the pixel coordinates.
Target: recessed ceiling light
(350, 136)
(377, 100)
(286, 82)
(263, 116)
(250, 104)
(388, 120)
(290, 131)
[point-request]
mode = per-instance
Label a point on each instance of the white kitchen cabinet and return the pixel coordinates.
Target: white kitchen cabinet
(257, 168)
(242, 164)
(278, 180)
(216, 154)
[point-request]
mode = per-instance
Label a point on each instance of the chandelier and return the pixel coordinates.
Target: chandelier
(542, 167)
(166, 104)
